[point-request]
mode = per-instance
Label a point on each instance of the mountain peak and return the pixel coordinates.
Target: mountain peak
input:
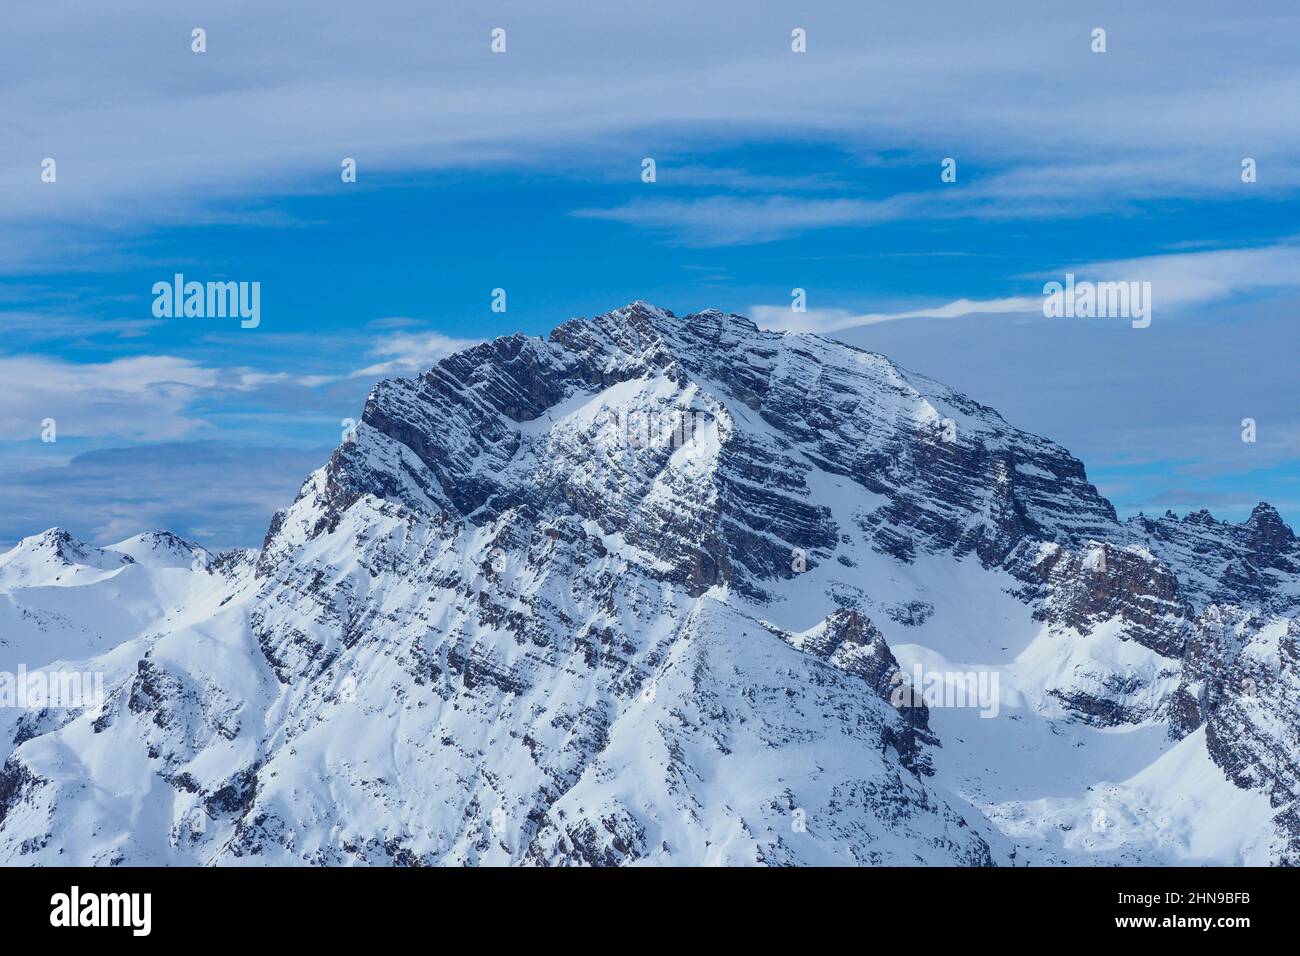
(1265, 521)
(547, 427)
(56, 542)
(647, 308)
(44, 558)
(163, 549)
(1264, 514)
(668, 322)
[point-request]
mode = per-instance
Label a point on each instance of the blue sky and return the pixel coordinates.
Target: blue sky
(521, 170)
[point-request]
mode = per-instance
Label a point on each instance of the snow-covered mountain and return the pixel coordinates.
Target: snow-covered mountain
(668, 590)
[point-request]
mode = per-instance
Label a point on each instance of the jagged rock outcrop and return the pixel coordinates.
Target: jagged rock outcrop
(1254, 564)
(1241, 682)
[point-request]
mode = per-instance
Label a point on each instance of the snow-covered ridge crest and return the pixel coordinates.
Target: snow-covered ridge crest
(506, 624)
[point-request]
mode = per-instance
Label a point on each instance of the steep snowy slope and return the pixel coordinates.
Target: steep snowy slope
(162, 549)
(677, 590)
(55, 558)
(63, 599)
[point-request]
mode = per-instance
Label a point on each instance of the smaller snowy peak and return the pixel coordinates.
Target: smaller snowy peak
(55, 557)
(162, 549)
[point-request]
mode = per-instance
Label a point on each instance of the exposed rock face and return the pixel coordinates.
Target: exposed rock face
(1130, 596)
(853, 644)
(1241, 681)
(771, 408)
(1254, 564)
(1239, 677)
(1087, 588)
(628, 594)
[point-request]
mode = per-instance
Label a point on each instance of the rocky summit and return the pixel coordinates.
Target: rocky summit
(666, 590)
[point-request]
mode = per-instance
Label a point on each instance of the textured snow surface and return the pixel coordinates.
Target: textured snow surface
(492, 630)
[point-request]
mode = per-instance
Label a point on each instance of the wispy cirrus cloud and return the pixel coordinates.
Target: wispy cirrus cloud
(165, 397)
(1038, 189)
(1178, 280)
(1020, 92)
(826, 321)
(733, 220)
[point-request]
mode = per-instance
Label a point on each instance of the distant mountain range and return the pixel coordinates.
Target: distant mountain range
(673, 591)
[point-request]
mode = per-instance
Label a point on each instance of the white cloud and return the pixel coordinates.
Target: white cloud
(1178, 280)
(165, 397)
(144, 397)
(141, 398)
(835, 320)
(410, 353)
(1195, 278)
